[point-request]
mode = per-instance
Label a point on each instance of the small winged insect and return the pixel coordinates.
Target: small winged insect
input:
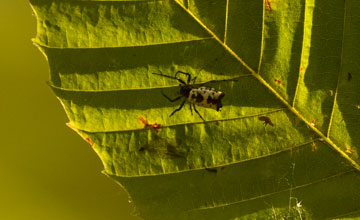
(266, 120)
(196, 94)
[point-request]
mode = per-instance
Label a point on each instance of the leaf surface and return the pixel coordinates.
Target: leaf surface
(284, 144)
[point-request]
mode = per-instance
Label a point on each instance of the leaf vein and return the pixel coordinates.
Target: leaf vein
(305, 34)
(339, 77)
(124, 46)
(226, 20)
(188, 123)
(290, 148)
(262, 39)
(278, 192)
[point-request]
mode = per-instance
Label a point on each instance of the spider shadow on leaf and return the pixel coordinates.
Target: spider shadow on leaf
(165, 148)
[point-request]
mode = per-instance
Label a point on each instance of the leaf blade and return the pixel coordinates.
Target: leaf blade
(105, 89)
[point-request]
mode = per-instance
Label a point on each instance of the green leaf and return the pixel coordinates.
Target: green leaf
(286, 142)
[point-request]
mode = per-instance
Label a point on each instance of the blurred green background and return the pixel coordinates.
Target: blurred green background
(47, 170)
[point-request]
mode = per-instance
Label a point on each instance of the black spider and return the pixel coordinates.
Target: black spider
(196, 94)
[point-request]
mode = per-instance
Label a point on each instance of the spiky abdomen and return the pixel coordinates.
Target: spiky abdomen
(206, 97)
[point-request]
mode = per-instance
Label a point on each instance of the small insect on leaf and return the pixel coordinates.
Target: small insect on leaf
(146, 124)
(266, 120)
(349, 76)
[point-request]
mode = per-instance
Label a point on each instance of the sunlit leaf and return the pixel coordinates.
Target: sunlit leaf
(285, 144)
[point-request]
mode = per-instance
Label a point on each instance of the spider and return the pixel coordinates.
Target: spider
(196, 95)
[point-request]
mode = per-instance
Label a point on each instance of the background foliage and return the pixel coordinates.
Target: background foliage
(46, 170)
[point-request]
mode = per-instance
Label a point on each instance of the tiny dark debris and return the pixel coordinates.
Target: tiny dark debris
(278, 81)
(211, 170)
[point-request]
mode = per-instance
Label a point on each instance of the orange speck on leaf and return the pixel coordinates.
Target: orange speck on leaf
(143, 120)
(89, 141)
(155, 126)
(268, 6)
(349, 150)
(313, 123)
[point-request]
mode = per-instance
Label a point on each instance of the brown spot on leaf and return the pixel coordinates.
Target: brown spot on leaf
(278, 81)
(268, 5)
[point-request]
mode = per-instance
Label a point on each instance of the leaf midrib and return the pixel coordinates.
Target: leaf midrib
(273, 91)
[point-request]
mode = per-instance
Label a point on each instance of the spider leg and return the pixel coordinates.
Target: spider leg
(171, 77)
(187, 74)
(221, 80)
(171, 100)
(198, 113)
(193, 81)
(190, 109)
(178, 109)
